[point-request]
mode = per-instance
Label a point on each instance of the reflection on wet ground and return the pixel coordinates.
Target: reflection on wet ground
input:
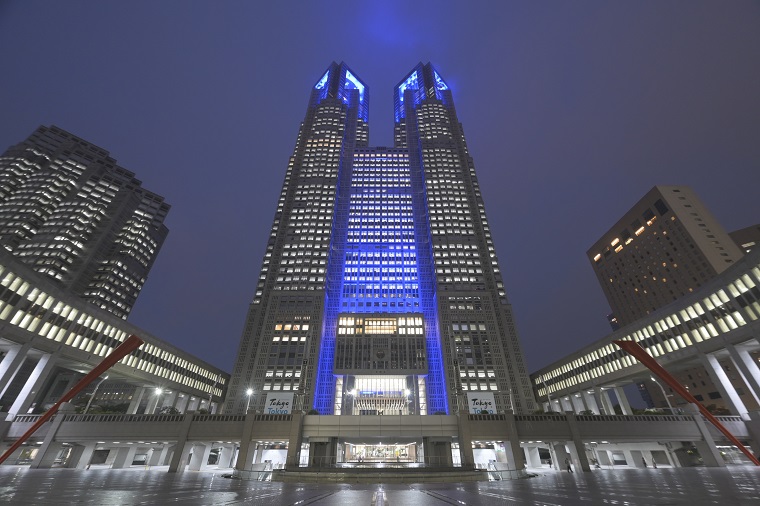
(738, 485)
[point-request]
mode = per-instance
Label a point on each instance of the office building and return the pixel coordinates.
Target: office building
(380, 292)
(667, 246)
(746, 238)
(71, 213)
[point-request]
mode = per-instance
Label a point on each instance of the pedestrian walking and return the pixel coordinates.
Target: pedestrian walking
(644, 461)
(569, 467)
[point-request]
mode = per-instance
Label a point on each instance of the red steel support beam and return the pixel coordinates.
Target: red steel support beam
(645, 358)
(124, 349)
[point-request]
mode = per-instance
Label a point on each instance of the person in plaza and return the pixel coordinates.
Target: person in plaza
(569, 467)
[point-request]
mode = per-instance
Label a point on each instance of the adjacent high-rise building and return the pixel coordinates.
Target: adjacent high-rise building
(380, 290)
(71, 213)
(666, 246)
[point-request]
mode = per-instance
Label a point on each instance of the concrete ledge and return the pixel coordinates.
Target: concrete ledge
(379, 476)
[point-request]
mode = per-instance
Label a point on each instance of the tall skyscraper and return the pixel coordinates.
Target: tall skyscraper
(666, 246)
(380, 291)
(70, 212)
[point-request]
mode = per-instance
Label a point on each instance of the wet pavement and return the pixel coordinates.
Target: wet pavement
(734, 486)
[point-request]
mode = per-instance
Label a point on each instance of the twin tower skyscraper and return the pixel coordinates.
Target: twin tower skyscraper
(380, 292)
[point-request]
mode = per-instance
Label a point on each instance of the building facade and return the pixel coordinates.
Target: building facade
(71, 213)
(380, 291)
(667, 246)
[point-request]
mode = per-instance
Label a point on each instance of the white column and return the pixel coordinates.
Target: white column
(86, 456)
(747, 368)
(576, 401)
(32, 386)
(604, 395)
(193, 404)
(158, 457)
(225, 457)
(134, 404)
(182, 401)
(533, 456)
(124, 457)
(200, 457)
(591, 402)
(567, 404)
(12, 362)
(623, 400)
(152, 405)
(169, 400)
(723, 384)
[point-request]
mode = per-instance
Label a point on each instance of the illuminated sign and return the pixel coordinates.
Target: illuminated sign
(477, 402)
(279, 403)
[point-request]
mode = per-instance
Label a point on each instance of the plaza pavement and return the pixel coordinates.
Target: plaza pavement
(730, 486)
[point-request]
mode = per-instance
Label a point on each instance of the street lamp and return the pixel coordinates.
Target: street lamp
(249, 393)
(670, 406)
(93, 395)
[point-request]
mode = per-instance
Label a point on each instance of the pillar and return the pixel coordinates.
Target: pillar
(723, 384)
(181, 402)
(706, 446)
(245, 456)
(577, 403)
(33, 384)
(134, 404)
(604, 395)
(293, 458)
(169, 400)
(50, 448)
(85, 456)
(623, 401)
(158, 457)
(192, 405)
(225, 456)
(124, 457)
(577, 449)
(200, 457)
(560, 452)
(513, 450)
(464, 433)
(534, 457)
(11, 363)
(567, 404)
(747, 368)
(590, 401)
(152, 405)
(183, 448)
(75, 455)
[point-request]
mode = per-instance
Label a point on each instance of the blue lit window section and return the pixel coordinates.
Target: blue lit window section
(323, 81)
(439, 83)
(409, 84)
(380, 268)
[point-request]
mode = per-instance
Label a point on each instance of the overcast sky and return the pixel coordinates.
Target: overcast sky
(572, 111)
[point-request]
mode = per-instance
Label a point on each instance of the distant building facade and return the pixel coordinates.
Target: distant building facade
(71, 213)
(667, 246)
(747, 238)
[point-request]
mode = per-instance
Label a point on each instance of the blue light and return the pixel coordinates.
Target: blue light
(323, 81)
(352, 83)
(439, 84)
(410, 83)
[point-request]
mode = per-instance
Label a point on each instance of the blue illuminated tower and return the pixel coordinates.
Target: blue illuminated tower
(380, 291)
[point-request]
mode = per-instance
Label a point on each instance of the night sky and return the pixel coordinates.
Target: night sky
(572, 111)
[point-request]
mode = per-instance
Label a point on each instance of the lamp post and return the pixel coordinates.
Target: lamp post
(670, 406)
(249, 393)
(87, 407)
